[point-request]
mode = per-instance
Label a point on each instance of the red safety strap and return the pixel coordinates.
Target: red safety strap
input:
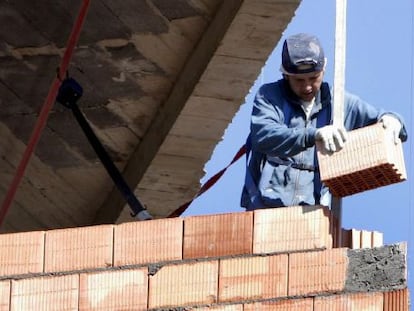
(209, 183)
(48, 104)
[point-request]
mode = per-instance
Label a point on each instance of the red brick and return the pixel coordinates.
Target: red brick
(282, 305)
(291, 228)
(253, 278)
(114, 290)
(193, 283)
(4, 295)
(218, 235)
(78, 248)
(350, 302)
(46, 293)
(396, 300)
(148, 241)
(315, 272)
(21, 253)
(370, 159)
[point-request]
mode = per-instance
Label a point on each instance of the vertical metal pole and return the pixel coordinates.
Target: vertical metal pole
(338, 98)
(339, 71)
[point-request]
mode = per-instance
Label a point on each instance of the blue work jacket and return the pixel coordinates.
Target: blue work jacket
(282, 165)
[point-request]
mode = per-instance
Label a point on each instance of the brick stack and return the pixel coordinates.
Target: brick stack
(272, 259)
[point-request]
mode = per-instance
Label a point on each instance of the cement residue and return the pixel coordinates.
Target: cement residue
(172, 309)
(381, 268)
(154, 268)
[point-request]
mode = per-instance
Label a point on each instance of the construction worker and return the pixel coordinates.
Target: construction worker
(288, 117)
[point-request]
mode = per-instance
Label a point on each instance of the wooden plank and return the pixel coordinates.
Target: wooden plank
(207, 107)
(190, 27)
(257, 29)
(234, 90)
(228, 68)
(187, 147)
(199, 127)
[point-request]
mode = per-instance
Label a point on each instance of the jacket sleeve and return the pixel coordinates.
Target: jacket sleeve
(270, 134)
(359, 113)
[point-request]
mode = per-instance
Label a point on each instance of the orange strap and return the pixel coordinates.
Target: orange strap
(48, 104)
(209, 183)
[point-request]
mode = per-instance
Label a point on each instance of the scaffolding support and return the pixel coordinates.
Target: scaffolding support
(339, 95)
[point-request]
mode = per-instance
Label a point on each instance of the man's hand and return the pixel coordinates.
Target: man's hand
(393, 125)
(332, 137)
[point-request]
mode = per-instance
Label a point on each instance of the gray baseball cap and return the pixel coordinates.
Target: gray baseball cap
(302, 53)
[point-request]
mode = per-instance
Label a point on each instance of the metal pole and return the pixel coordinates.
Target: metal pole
(338, 98)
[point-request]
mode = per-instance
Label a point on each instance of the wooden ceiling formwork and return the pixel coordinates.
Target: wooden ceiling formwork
(162, 80)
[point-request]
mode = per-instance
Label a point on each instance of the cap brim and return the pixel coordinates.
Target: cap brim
(285, 72)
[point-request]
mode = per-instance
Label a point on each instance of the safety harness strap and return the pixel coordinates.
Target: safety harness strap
(44, 113)
(299, 166)
(209, 183)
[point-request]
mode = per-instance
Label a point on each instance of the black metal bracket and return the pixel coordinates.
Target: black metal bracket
(69, 93)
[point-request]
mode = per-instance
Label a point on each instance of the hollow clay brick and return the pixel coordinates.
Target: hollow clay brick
(291, 228)
(355, 239)
(191, 283)
(369, 159)
(316, 272)
(350, 302)
(46, 293)
(366, 239)
(377, 239)
(397, 300)
(5, 295)
(253, 278)
(78, 248)
(148, 241)
(21, 253)
(114, 290)
(218, 235)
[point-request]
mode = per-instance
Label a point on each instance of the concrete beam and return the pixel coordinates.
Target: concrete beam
(161, 125)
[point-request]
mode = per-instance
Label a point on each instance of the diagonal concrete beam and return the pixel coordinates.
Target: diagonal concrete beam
(167, 115)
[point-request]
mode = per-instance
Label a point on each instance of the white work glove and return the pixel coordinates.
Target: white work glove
(392, 124)
(332, 137)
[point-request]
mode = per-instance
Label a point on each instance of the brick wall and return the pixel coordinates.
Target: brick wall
(272, 259)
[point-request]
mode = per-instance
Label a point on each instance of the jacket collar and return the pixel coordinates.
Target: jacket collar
(323, 97)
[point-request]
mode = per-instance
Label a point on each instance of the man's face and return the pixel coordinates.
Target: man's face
(305, 85)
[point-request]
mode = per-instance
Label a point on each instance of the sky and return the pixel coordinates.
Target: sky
(379, 69)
